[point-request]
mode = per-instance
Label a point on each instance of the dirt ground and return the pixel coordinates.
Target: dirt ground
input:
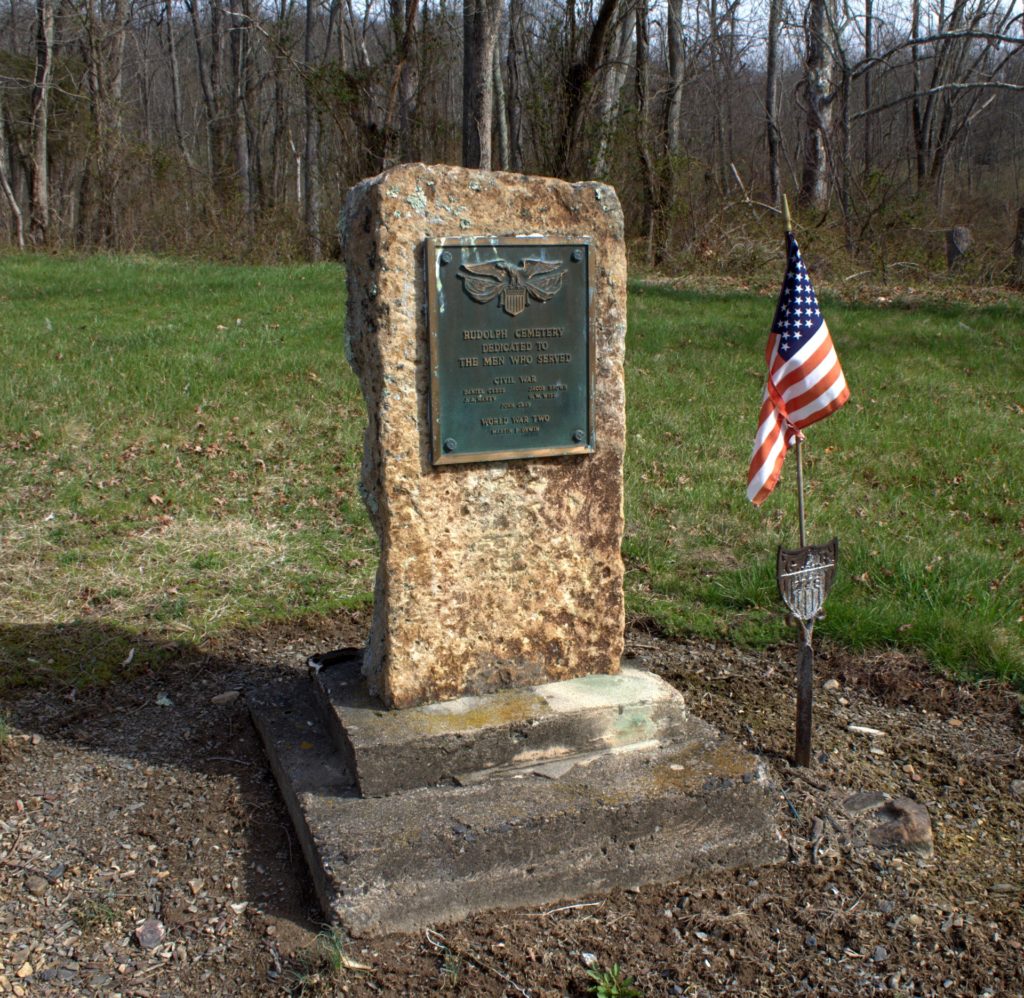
(152, 799)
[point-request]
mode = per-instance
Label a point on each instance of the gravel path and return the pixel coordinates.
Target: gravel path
(144, 849)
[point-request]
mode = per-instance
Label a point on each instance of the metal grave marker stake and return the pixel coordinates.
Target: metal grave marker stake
(805, 577)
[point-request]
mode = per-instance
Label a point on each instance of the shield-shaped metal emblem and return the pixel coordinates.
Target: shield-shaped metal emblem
(805, 576)
(513, 300)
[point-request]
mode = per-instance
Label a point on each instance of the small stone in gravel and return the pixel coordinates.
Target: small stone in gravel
(907, 827)
(150, 933)
(830, 685)
(47, 975)
(915, 920)
(228, 696)
(25, 970)
(880, 954)
(863, 729)
(866, 800)
(35, 885)
(589, 959)
(811, 942)
(1017, 788)
(56, 873)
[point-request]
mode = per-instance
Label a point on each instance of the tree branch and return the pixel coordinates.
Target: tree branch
(981, 85)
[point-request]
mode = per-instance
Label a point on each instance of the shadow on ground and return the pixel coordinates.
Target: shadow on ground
(145, 793)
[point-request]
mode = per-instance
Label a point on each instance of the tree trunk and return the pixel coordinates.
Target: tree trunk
(311, 151)
(397, 126)
(610, 93)
(5, 183)
(501, 109)
(648, 180)
(579, 84)
(206, 84)
(771, 100)
(674, 103)
(916, 112)
(239, 70)
(39, 191)
(479, 36)
(717, 100)
(869, 51)
(516, 52)
(172, 54)
(819, 72)
(1018, 250)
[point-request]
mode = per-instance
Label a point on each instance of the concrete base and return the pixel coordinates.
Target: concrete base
(565, 799)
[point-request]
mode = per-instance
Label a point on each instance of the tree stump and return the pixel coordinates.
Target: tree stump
(958, 241)
(1018, 249)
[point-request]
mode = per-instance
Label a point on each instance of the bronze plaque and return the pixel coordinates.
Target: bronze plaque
(511, 356)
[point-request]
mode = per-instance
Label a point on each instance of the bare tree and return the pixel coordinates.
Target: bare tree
(5, 183)
(580, 77)
(311, 150)
(771, 100)
(513, 61)
(610, 90)
(818, 84)
(479, 36)
(39, 194)
(648, 177)
(172, 58)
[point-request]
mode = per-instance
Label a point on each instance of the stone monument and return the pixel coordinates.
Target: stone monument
(486, 748)
(476, 353)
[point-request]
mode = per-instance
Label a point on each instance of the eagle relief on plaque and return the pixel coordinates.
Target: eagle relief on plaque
(511, 357)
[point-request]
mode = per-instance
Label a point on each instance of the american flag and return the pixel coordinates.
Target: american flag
(805, 381)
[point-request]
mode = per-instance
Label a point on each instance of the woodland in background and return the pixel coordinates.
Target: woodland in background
(232, 128)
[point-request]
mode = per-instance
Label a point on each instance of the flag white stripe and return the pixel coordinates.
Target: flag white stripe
(767, 423)
(821, 402)
(813, 377)
(802, 355)
(766, 468)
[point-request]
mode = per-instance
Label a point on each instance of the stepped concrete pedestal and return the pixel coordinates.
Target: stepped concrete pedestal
(523, 797)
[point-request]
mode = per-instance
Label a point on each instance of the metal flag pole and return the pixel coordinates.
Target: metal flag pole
(788, 220)
(804, 577)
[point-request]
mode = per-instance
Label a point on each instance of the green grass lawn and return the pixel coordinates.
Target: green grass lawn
(180, 445)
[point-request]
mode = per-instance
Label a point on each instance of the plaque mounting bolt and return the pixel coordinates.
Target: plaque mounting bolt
(579, 436)
(449, 445)
(446, 257)
(577, 255)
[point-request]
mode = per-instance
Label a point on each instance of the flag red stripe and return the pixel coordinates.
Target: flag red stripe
(819, 388)
(794, 377)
